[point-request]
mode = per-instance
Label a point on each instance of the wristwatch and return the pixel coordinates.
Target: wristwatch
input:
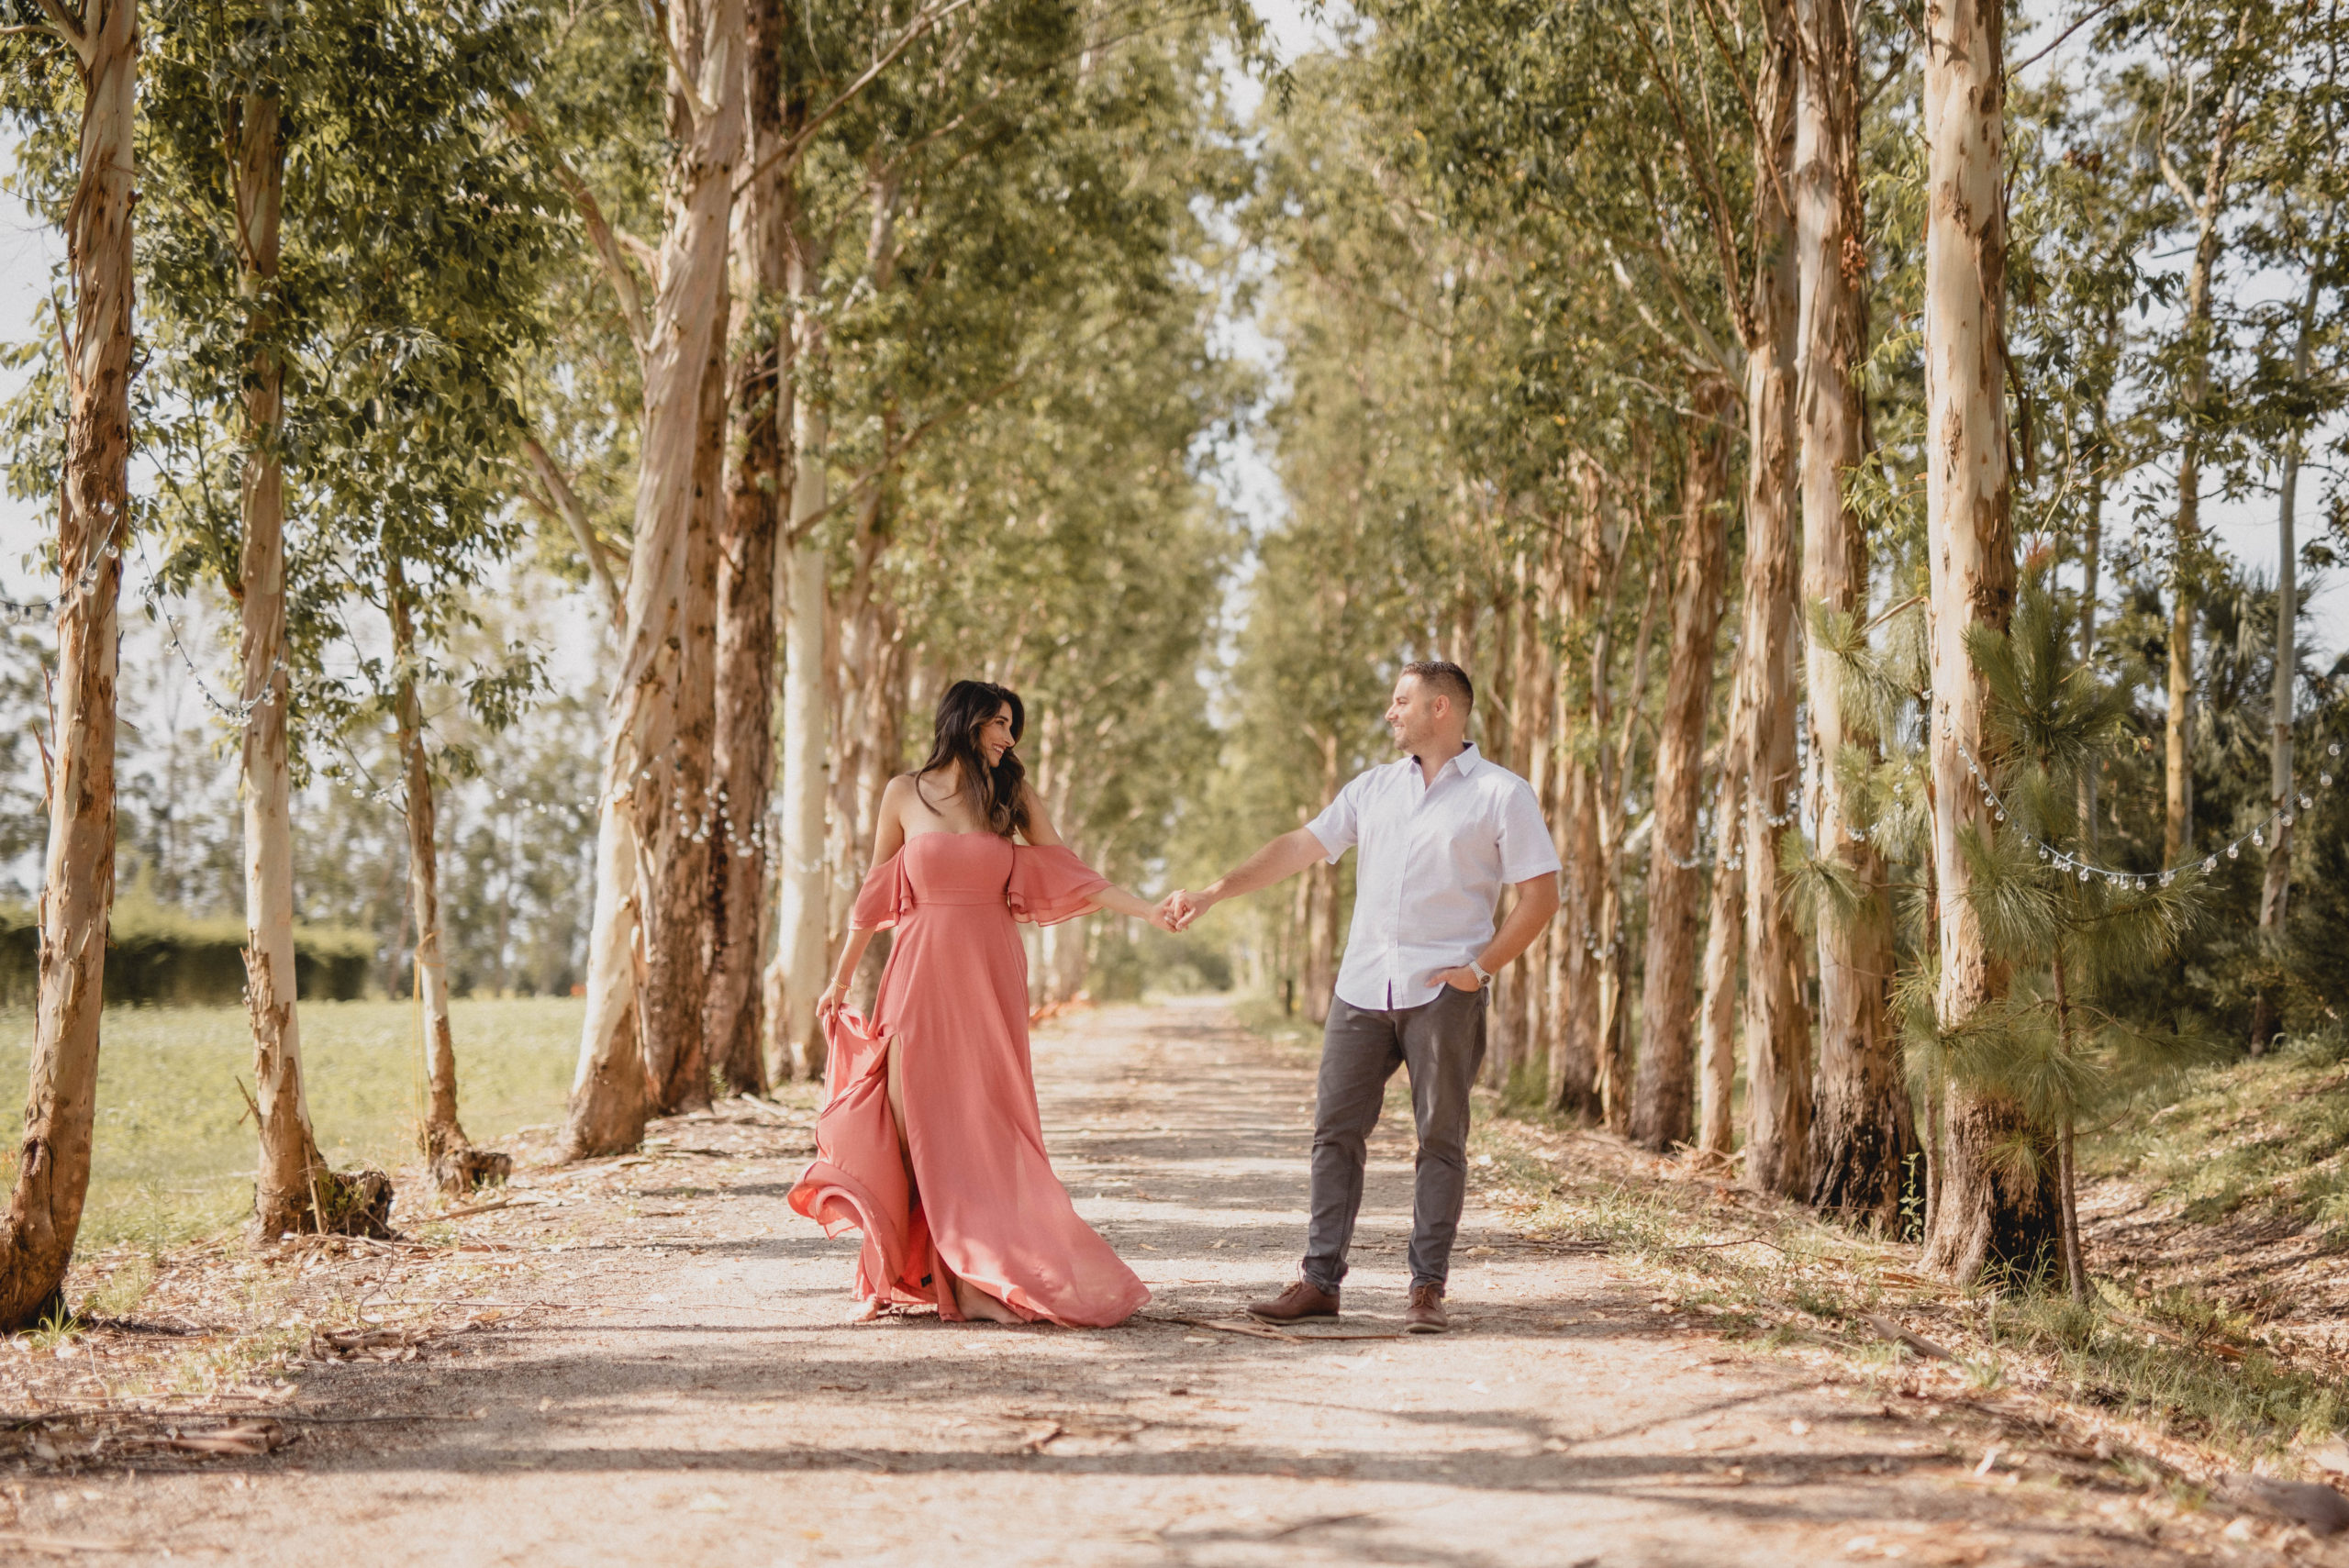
(1484, 975)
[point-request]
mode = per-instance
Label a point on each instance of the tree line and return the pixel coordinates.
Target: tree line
(1799, 417)
(838, 354)
(1803, 417)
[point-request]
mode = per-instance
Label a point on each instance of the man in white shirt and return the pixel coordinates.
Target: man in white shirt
(1441, 831)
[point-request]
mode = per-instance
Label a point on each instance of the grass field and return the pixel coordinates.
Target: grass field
(175, 1145)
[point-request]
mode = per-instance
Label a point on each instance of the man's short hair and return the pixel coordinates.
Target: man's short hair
(1443, 675)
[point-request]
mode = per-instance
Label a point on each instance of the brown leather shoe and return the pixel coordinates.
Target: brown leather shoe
(1302, 1299)
(1426, 1314)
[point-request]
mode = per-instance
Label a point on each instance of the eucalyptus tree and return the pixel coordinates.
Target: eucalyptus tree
(93, 46)
(432, 212)
(1991, 1208)
(1861, 1133)
(2304, 178)
(2200, 91)
(342, 235)
(635, 1034)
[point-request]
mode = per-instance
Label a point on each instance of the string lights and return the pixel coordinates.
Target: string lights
(2146, 881)
(21, 612)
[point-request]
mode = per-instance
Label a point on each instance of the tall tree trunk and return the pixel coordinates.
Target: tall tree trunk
(1777, 1031)
(2178, 725)
(2091, 562)
(804, 896)
(1616, 760)
(2276, 888)
(1989, 1208)
(1321, 906)
(677, 934)
(443, 1133)
(1586, 603)
(1718, 1006)
(94, 513)
(290, 1169)
(608, 1098)
(1663, 1100)
(1861, 1131)
(1541, 772)
(742, 752)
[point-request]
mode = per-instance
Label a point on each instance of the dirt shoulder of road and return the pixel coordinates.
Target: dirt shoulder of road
(1650, 1367)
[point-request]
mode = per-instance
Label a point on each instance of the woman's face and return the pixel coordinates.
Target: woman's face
(995, 736)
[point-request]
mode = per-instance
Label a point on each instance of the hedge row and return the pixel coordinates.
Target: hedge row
(160, 956)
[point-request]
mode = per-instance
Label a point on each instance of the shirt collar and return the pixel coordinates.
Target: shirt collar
(1465, 764)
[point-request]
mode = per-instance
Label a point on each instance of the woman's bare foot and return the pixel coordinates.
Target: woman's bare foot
(976, 1303)
(866, 1311)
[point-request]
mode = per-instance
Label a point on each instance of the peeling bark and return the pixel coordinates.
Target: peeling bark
(1661, 1099)
(608, 1100)
(1776, 1023)
(1861, 1133)
(1995, 1203)
(77, 883)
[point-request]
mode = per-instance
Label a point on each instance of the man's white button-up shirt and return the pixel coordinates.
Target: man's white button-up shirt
(1434, 859)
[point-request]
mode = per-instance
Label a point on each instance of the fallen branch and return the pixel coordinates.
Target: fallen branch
(1887, 1329)
(1742, 1240)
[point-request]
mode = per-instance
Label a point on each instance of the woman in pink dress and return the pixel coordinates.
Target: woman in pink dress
(930, 1142)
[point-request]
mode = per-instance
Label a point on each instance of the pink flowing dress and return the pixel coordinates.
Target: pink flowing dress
(984, 1205)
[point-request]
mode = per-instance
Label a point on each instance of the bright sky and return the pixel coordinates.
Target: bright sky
(29, 249)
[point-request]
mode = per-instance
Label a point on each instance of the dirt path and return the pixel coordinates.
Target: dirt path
(662, 1373)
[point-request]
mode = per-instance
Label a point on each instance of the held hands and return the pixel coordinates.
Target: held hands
(1178, 909)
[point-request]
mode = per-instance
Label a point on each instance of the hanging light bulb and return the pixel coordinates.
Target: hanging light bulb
(2211, 864)
(2233, 850)
(2257, 838)
(2084, 874)
(2165, 877)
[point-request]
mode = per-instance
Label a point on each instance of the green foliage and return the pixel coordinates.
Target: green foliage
(160, 955)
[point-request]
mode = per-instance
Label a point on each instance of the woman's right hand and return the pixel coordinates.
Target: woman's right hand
(828, 1005)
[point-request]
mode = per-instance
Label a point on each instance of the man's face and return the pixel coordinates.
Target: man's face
(1416, 716)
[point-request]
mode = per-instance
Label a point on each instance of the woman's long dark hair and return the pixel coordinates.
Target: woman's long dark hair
(963, 712)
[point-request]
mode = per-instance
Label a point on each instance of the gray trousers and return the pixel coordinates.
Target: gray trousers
(1443, 1044)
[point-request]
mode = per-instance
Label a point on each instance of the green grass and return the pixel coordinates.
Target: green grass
(2268, 1137)
(174, 1155)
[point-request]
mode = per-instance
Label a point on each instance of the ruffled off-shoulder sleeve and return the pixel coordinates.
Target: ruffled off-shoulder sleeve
(885, 898)
(1049, 884)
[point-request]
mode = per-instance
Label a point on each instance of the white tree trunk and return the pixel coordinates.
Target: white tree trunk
(803, 908)
(442, 1132)
(1861, 1135)
(287, 1188)
(608, 1098)
(1988, 1208)
(2276, 886)
(1777, 1025)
